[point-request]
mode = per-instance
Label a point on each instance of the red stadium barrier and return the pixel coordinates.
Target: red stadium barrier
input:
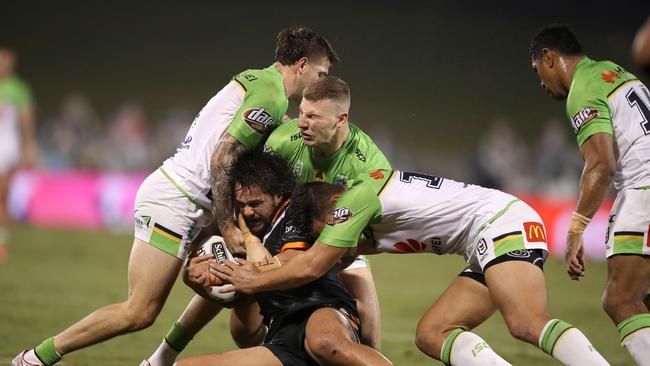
(100, 200)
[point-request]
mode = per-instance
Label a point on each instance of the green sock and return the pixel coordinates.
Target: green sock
(178, 337)
(629, 326)
(445, 353)
(552, 332)
(46, 352)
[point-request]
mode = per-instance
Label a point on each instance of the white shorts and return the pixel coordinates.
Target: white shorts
(517, 228)
(360, 262)
(9, 156)
(166, 217)
(629, 223)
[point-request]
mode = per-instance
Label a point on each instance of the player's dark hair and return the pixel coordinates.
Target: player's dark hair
(557, 37)
(329, 87)
(270, 173)
(296, 42)
(310, 201)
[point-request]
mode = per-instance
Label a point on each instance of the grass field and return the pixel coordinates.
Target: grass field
(53, 278)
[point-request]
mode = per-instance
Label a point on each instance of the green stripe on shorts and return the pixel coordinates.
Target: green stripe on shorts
(497, 215)
(164, 243)
(628, 246)
(515, 242)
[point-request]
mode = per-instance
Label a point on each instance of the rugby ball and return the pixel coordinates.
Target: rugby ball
(216, 247)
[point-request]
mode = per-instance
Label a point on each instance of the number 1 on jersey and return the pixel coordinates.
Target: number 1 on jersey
(634, 100)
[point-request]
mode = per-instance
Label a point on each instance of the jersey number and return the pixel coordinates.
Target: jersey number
(432, 182)
(635, 100)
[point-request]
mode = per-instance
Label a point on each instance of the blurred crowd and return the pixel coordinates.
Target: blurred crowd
(125, 141)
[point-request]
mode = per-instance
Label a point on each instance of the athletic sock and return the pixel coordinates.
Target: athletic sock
(568, 345)
(635, 336)
(468, 349)
(46, 353)
(176, 340)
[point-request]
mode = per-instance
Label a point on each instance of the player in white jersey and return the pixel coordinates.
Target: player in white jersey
(502, 239)
(192, 188)
(609, 110)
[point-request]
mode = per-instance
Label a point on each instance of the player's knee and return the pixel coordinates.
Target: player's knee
(521, 328)
(620, 304)
(325, 347)
(139, 316)
(429, 338)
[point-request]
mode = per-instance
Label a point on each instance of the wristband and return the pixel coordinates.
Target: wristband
(578, 223)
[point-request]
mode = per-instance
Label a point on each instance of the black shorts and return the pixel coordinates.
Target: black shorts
(286, 339)
(533, 256)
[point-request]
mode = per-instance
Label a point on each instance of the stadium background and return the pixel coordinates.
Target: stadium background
(444, 87)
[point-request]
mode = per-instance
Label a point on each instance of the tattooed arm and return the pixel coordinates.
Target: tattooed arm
(222, 160)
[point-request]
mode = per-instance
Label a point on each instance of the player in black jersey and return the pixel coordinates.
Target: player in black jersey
(313, 324)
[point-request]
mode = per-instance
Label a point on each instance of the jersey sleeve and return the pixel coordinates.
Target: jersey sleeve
(263, 108)
(588, 110)
(356, 209)
(278, 142)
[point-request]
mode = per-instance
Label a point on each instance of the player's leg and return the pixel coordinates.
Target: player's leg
(246, 325)
(5, 178)
(259, 356)
(444, 331)
(330, 339)
(628, 271)
(358, 281)
(628, 279)
(518, 288)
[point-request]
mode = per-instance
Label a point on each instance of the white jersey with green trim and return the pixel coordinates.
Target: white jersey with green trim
(405, 212)
(248, 108)
(604, 97)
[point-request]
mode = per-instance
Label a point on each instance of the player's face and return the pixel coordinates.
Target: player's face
(549, 77)
(256, 207)
(319, 121)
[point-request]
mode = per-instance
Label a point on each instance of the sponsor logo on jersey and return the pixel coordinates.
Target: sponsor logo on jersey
(582, 117)
(610, 76)
(410, 246)
(339, 216)
(296, 136)
(341, 179)
(297, 168)
(360, 155)
(142, 221)
(259, 119)
(377, 174)
(481, 247)
(520, 253)
(436, 245)
(186, 143)
(534, 232)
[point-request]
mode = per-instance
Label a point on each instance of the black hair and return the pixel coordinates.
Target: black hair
(296, 42)
(557, 37)
(310, 201)
(268, 172)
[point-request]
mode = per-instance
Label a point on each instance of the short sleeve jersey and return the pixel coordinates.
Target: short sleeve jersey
(357, 155)
(14, 96)
(404, 212)
(605, 98)
(278, 305)
(248, 108)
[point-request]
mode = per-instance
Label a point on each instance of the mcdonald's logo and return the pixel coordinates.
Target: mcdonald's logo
(534, 232)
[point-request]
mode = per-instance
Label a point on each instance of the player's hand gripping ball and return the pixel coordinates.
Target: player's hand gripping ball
(216, 247)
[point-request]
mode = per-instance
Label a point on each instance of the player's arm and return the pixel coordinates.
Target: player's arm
(598, 173)
(303, 268)
(223, 158)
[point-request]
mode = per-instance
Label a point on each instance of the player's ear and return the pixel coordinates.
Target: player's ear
(548, 57)
(334, 199)
(342, 120)
(302, 64)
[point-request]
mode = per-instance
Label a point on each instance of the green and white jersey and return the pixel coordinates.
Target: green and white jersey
(407, 212)
(357, 155)
(14, 95)
(248, 108)
(606, 98)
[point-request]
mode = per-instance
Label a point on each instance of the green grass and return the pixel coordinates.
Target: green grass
(54, 278)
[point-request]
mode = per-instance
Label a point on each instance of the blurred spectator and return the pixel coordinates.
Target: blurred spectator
(502, 160)
(17, 143)
(169, 133)
(71, 139)
(558, 162)
(641, 46)
(127, 147)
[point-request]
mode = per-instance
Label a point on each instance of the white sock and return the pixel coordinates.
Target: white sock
(468, 349)
(638, 344)
(163, 356)
(568, 345)
(31, 357)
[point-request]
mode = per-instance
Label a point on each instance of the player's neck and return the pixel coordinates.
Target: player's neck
(288, 78)
(329, 149)
(568, 66)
